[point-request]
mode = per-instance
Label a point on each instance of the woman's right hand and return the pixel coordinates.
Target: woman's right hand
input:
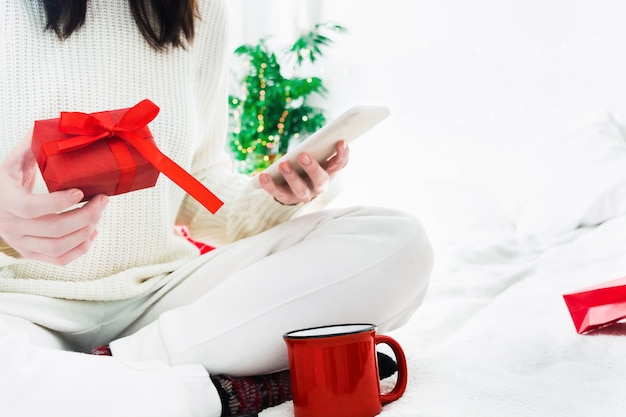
(36, 225)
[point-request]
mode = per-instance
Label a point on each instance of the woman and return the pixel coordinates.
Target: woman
(112, 276)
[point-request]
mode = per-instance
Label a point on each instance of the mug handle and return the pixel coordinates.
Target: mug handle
(401, 383)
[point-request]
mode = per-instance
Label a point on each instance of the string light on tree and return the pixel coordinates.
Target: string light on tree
(271, 108)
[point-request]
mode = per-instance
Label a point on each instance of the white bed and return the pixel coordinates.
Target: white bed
(494, 336)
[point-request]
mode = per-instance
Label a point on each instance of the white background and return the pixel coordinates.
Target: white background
(467, 81)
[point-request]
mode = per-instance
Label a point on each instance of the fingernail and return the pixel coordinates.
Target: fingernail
(344, 145)
(305, 159)
(265, 179)
(104, 200)
(76, 195)
(284, 166)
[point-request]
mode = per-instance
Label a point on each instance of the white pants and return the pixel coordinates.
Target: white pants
(224, 313)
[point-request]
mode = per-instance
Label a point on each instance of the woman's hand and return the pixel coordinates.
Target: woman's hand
(36, 225)
(302, 189)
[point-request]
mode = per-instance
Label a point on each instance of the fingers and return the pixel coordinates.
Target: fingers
(318, 178)
(29, 206)
(57, 238)
(51, 251)
(299, 186)
(58, 225)
(340, 160)
(317, 175)
(281, 193)
(43, 227)
(302, 188)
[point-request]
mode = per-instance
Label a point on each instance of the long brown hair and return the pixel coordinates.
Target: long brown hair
(163, 23)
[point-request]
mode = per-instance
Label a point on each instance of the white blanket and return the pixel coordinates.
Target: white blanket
(494, 337)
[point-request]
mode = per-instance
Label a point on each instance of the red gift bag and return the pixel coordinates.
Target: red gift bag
(597, 306)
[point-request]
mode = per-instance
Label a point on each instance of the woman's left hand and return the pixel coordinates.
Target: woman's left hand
(302, 189)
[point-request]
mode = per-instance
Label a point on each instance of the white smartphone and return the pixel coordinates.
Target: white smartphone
(321, 145)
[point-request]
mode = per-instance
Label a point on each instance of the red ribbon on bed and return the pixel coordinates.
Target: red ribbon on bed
(87, 129)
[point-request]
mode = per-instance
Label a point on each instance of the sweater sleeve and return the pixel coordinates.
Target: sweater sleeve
(247, 209)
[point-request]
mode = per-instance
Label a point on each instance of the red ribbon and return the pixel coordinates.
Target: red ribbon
(87, 129)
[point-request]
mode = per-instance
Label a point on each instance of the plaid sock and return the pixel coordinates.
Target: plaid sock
(386, 365)
(249, 395)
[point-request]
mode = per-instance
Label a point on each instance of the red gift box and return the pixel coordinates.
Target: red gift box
(110, 152)
(597, 306)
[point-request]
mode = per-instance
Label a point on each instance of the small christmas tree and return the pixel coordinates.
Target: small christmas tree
(274, 108)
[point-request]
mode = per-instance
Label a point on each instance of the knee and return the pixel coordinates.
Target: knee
(414, 256)
(403, 255)
(383, 256)
(401, 233)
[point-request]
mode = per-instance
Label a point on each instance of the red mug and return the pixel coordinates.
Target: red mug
(334, 371)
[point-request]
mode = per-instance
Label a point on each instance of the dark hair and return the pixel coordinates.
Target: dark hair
(164, 23)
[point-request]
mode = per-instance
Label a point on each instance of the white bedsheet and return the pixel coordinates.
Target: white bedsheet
(494, 337)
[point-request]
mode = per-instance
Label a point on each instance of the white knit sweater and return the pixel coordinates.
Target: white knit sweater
(108, 65)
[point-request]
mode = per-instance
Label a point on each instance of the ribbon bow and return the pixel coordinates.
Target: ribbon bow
(86, 129)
